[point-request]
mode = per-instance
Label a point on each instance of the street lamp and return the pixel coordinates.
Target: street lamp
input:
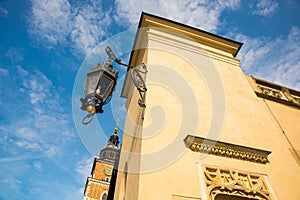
(101, 82)
(99, 85)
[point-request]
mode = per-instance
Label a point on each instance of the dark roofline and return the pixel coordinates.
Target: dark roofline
(180, 24)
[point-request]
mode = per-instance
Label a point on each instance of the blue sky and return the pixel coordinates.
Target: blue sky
(44, 44)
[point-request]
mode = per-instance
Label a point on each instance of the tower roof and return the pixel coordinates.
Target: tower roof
(111, 151)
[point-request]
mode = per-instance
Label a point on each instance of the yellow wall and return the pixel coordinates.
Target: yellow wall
(180, 101)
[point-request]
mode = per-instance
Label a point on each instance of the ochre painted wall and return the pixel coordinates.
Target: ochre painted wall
(182, 81)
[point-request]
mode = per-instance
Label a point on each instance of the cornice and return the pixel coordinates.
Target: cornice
(190, 46)
(224, 149)
(215, 41)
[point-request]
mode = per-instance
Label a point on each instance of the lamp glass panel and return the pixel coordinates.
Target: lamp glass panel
(103, 86)
(91, 83)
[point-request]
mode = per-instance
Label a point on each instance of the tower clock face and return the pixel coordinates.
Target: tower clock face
(108, 170)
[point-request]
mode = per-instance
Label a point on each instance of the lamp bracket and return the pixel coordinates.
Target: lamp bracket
(135, 75)
(140, 83)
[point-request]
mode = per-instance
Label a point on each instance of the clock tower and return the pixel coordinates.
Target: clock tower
(97, 186)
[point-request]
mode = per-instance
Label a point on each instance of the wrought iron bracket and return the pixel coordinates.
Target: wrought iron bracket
(135, 74)
(140, 83)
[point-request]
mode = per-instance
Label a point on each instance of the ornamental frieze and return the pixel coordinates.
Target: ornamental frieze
(274, 92)
(218, 148)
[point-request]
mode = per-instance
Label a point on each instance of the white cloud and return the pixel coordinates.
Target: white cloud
(10, 181)
(202, 14)
(20, 158)
(233, 4)
(37, 85)
(264, 7)
(22, 71)
(14, 54)
(44, 126)
(90, 24)
(28, 145)
(27, 133)
(80, 26)
(3, 12)
(50, 21)
(83, 168)
(275, 60)
(4, 71)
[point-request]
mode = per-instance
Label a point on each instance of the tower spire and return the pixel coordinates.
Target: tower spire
(116, 128)
(114, 138)
(97, 186)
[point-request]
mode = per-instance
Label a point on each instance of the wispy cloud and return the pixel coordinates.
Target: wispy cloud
(20, 158)
(276, 60)
(50, 21)
(83, 168)
(90, 25)
(60, 23)
(45, 127)
(3, 12)
(14, 54)
(202, 14)
(3, 71)
(264, 7)
(38, 87)
(33, 175)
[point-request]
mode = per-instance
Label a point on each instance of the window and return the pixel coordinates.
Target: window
(104, 196)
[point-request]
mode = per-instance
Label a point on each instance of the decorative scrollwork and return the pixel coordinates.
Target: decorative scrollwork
(140, 83)
(277, 93)
(271, 92)
(227, 182)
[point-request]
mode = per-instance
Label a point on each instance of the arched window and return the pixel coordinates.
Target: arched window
(104, 196)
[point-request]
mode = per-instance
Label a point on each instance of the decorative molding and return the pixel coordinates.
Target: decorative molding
(215, 41)
(208, 146)
(190, 46)
(277, 93)
(297, 98)
(222, 183)
(96, 181)
(272, 92)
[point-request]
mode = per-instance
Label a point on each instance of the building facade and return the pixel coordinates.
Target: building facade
(97, 186)
(207, 130)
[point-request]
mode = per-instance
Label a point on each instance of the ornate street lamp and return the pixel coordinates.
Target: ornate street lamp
(99, 85)
(101, 82)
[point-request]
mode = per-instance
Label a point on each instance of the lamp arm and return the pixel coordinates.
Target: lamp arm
(111, 56)
(120, 63)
